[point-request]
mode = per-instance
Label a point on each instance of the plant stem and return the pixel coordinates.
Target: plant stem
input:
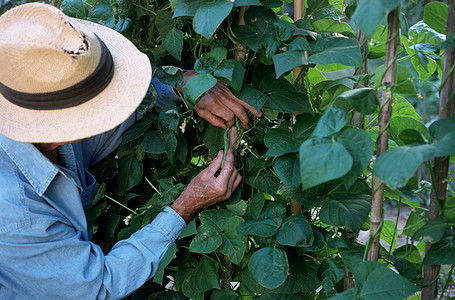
(151, 184)
(388, 80)
(396, 225)
(116, 202)
(447, 282)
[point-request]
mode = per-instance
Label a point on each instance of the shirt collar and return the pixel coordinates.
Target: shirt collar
(38, 170)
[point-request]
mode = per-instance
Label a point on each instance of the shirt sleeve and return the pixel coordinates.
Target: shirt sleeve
(49, 260)
(99, 146)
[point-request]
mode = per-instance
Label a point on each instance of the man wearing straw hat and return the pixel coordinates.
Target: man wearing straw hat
(68, 90)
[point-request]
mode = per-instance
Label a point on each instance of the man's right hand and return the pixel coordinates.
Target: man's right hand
(207, 189)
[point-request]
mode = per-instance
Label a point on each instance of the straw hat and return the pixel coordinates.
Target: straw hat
(64, 79)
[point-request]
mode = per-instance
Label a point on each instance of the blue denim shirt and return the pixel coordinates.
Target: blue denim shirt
(45, 247)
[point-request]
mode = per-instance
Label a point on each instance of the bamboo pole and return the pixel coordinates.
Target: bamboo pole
(299, 9)
(441, 164)
(393, 36)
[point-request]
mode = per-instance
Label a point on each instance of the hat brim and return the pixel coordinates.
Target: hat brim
(131, 80)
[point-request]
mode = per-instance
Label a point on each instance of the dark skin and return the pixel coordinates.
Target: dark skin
(219, 107)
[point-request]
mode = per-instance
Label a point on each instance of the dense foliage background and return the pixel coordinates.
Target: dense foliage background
(308, 165)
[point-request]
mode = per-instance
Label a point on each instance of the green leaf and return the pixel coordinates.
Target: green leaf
(205, 65)
(284, 30)
(263, 180)
(323, 160)
(174, 43)
(216, 218)
(263, 227)
(336, 50)
(170, 75)
(210, 15)
(189, 230)
(442, 252)
(201, 279)
(164, 22)
(224, 295)
(234, 242)
(288, 60)
(346, 210)
(238, 3)
(187, 8)
(285, 97)
(255, 206)
(153, 143)
(405, 161)
(331, 274)
(431, 232)
(269, 266)
(206, 240)
(281, 141)
(130, 173)
(218, 53)
(363, 100)
(296, 231)
(360, 146)
(332, 26)
(416, 220)
(443, 131)
(137, 130)
(197, 85)
(404, 84)
(167, 258)
(399, 124)
(169, 118)
(102, 14)
(213, 138)
(375, 281)
(449, 209)
(370, 13)
(435, 15)
(299, 44)
(332, 121)
(233, 72)
(288, 169)
(252, 96)
(421, 33)
(402, 108)
(74, 8)
(171, 145)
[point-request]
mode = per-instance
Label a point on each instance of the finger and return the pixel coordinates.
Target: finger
(212, 119)
(238, 110)
(216, 107)
(228, 167)
(215, 165)
(243, 103)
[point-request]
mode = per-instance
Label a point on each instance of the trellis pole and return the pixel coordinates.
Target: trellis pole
(441, 164)
(393, 38)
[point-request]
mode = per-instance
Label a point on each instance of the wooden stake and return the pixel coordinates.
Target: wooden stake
(441, 164)
(393, 37)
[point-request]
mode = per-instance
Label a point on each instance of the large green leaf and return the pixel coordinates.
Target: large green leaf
(263, 227)
(404, 83)
(288, 169)
(205, 65)
(252, 96)
(74, 8)
(263, 180)
(255, 206)
(216, 218)
(201, 279)
(332, 26)
(443, 131)
(233, 72)
(137, 130)
(213, 138)
(210, 15)
(370, 13)
(449, 209)
(153, 142)
(330, 273)
(346, 210)
(234, 244)
(130, 173)
(397, 165)
(375, 281)
(402, 108)
(197, 85)
(174, 43)
(238, 3)
(416, 220)
(206, 240)
(332, 121)
(296, 231)
(102, 14)
(400, 124)
(435, 15)
(281, 141)
(269, 266)
(363, 100)
(431, 232)
(323, 160)
(285, 97)
(164, 22)
(288, 60)
(421, 33)
(442, 252)
(336, 50)
(360, 146)
(187, 8)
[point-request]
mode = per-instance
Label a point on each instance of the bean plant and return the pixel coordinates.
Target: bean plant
(312, 78)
